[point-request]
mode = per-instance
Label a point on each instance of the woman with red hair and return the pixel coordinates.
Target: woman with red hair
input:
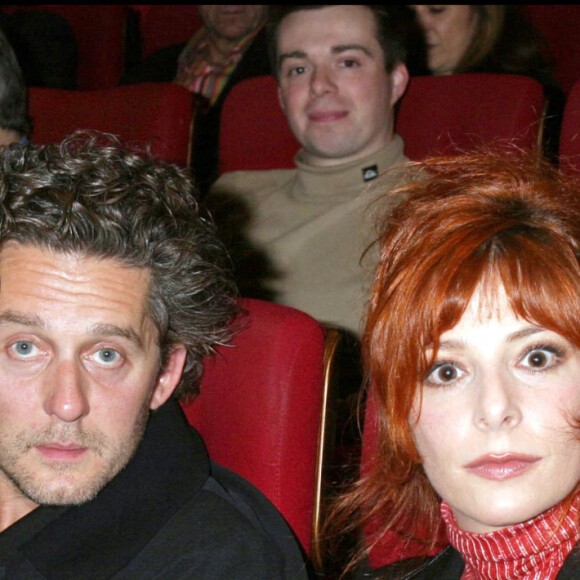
(472, 348)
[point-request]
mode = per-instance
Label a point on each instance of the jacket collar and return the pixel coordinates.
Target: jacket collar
(99, 538)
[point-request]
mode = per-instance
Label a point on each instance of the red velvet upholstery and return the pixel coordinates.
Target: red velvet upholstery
(100, 34)
(437, 114)
(159, 113)
(559, 23)
(164, 24)
(570, 134)
(446, 114)
(260, 407)
(254, 133)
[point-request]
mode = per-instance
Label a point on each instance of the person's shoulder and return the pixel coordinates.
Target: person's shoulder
(257, 518)
(227, 530)
(253, 183)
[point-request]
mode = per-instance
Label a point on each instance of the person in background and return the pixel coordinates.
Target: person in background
(45, 46)
(472, 352)
(113, 289)
(14, 119)
(466, 38)
(340, 70)
(230, 47)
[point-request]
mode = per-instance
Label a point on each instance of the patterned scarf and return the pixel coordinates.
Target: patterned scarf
(532, 550)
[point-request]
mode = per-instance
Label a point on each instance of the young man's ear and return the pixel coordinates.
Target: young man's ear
(399, 81)
(169, 378)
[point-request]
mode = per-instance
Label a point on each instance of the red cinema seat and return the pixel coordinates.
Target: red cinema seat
(437, 114)
(452, 113)
(165, 24)
(570, 134)
(159, 114)
(254, 133)
(262, 409)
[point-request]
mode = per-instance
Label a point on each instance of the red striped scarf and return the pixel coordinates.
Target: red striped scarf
(532, 550)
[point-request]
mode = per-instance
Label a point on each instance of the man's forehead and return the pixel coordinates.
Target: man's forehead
(332, 25)
(74, 293)
(31, 268)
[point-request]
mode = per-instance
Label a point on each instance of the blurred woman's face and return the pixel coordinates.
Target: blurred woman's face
(495, 425)
(448, 31)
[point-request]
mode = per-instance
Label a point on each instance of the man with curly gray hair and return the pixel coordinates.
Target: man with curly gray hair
(113, 287)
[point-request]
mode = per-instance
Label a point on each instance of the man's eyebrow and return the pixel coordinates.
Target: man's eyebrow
(287, 55)
(11, 317)
(338, 49)
(114, 330)
(100, 329)
(344, 47)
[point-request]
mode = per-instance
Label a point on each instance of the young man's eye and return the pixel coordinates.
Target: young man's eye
(296, 70)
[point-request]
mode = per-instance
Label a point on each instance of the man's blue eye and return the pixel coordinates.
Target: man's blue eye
(24, 348)
(107, 356)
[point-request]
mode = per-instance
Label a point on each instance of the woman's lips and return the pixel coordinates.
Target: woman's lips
(502, 466)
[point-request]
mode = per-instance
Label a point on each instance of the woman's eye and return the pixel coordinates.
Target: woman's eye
(107, 356)
(443, 374)
(24, 349)
(541, 358)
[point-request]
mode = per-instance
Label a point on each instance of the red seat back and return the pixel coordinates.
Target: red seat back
(442, 114)
(559, 24)
(451, 113)
(260, 406)
(155, 113)
(163, 24)
(570, 134)
(254, 133)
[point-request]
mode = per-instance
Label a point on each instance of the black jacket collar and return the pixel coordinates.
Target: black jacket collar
(169, 467)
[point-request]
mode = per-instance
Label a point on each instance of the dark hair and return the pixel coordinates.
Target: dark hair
(391, 34)
(483, 218)
(13, 100)
(91, 196)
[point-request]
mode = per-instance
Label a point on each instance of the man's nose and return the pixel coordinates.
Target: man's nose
(66, 392)
(322, 81)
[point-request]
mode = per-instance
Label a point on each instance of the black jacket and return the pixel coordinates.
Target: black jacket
(170, 514)
(448, 565)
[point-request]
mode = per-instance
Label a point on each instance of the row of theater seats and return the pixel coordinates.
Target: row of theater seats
(102, 34)
(437, 114)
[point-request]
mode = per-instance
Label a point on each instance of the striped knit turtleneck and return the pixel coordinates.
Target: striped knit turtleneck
(532, 550)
